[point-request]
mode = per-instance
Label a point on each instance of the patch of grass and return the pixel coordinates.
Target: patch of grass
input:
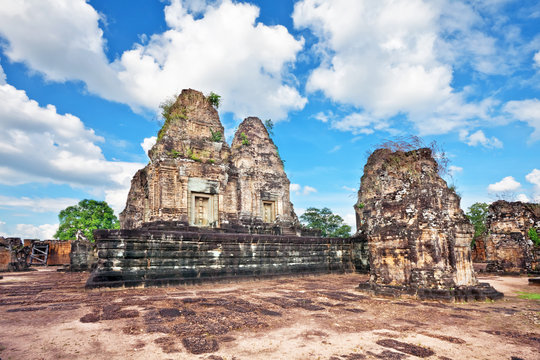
(528, 295)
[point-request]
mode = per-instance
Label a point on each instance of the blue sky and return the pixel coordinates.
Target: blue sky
(81, 82)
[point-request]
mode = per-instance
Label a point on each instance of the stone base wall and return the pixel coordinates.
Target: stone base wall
(160, 258)
(479, 292)
(82, 257)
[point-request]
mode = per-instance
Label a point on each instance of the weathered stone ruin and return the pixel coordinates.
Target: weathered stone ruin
(152, 257)
(418, 237)
(195, 178)
(82, 256)
(508, 247)
(204, 211)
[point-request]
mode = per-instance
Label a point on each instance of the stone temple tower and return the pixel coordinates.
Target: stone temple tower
(195, 178)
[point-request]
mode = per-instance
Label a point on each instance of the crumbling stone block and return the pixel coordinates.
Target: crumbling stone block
(508, 247)
(418, 236)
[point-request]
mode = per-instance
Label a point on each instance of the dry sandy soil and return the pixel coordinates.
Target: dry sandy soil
(47, 314)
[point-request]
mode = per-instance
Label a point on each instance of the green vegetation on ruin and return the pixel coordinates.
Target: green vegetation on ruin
(269, 125)
(170, 114)
(216, 136)
(533, 235)
(245, 140)
(214, 99)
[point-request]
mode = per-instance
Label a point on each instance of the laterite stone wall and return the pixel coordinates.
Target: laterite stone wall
(160, 258)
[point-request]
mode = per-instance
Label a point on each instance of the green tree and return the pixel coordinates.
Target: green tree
(328, 223)
(87, 215)
(477, 214)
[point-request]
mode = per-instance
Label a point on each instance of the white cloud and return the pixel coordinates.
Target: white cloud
(537, 59)
(349, 218)
(43, 232)
(40, 145)
(360, 123)
(383, 57)
(335, 148)
(522, 198)
(65, 44)
(37, 204)
(534, 178)
(297, 189)
(453, 170)
(479, 138)
(527, 111)
(323, 116)
(2, 76)
(507, 184)
(349, 188)
(148, 143)
(244, 61)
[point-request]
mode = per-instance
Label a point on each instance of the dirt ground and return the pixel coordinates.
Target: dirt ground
(47, 314)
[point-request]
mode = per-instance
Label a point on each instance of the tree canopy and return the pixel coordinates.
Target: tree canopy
(477, 214)
(87, 216)
(330, 224)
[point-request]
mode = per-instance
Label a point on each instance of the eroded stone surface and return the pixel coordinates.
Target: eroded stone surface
(418, 235)
(160, 258)
(194, 177)
(508, 247)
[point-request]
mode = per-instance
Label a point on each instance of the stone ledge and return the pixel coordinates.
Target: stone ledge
(480, 292)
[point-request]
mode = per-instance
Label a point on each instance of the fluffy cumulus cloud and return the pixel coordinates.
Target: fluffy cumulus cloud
(397, 57)
(29, 231)
(507, 184)
(41, 145)
(527, 111)
(66, 44)
(534, 178)
(148, 143)
(479, 138)
(244, 61)
(537, 59)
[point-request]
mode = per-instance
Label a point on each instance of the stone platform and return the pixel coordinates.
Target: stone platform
(133, 258)
(479, 292)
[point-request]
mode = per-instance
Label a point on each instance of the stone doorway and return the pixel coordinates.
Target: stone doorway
(202, 210)
(202, 213)
(269, 211)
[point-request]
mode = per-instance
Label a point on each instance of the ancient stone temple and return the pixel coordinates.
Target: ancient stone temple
(508, 246)
(418, 237)
(195, 178)
(203, 211)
